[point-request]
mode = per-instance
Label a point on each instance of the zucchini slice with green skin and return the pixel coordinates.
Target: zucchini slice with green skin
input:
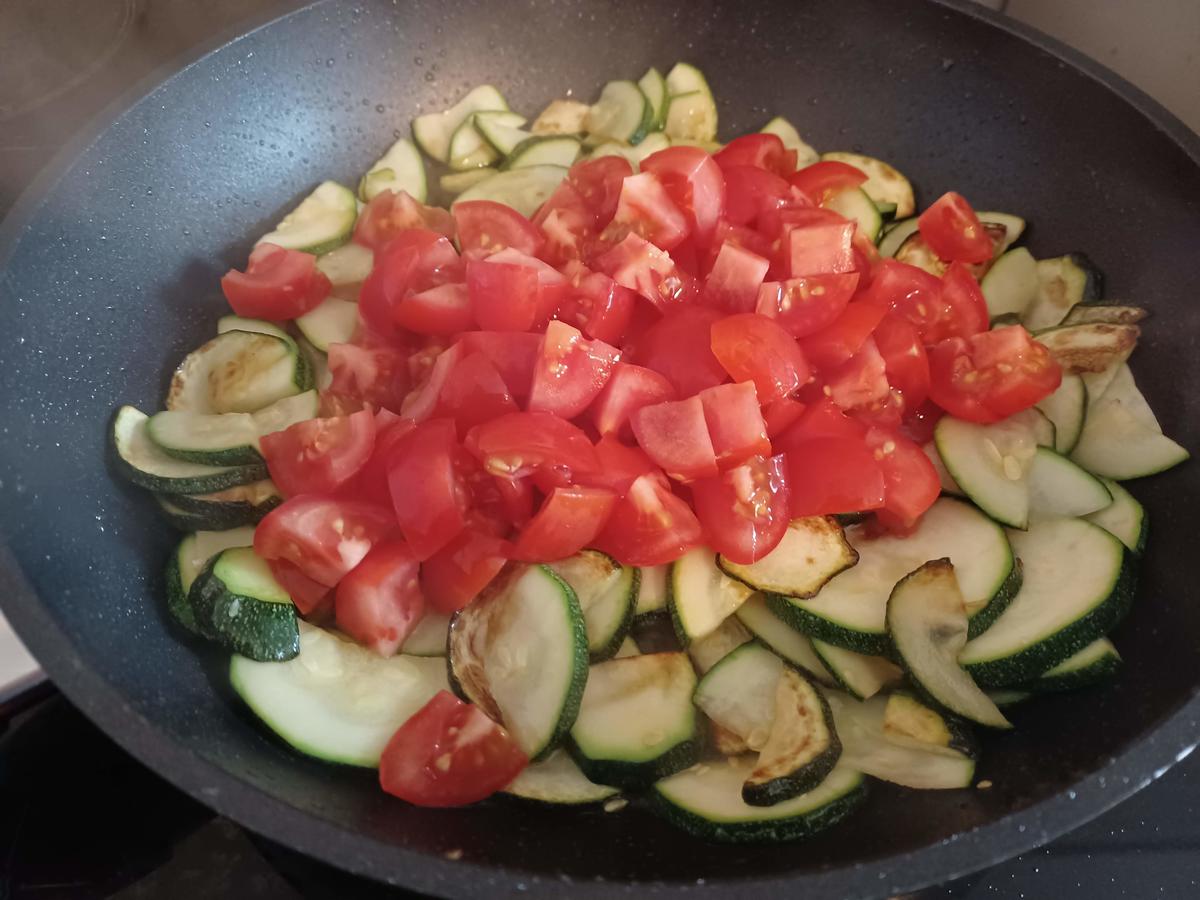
(543, 150)
(1125, 518)
(908, 721)
(628, 647)
(519, 653)
(238, 603)
(1089, 348)
(812, 551)
(502, 130)
(337, 701)
(1096, 663)
(856, 206)
(558, 780)
(607, 594)
(473, 144)
(456, 183)
(691, 111)
(322, 222)
(220, 439)
(990, 463)
(1063, 283)
(239, 371)
(145, 464)
(188, 561)
(1077, 586)
(1066, 408)
(333, 321)
(651, 143)
(850, 609)
(562, 117)
(860, 676)
(786, 132)
(523, 189)
(245, 504)
(782, 639)
(348, 265)
(429, 637)
(927, 620)
(258, 326)
(399, 169)
(706, 801)
(714, 647)
(1014, 227)
(652, 590)
(884, 184)
(1011, 284)
(180, 518)
(636, 723)
(1008, 697)
(432, 131)
(1058, 487)
(945, 479)
(621, 114)
(700, 596)
(738, 693)
(894, 237)
(654, 89)
(1107, 313)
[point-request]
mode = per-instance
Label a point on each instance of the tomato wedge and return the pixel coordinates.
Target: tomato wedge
(752, 192)
(675, 435)
(860, 382)
(474, 393)
(629, 388)
(904, 359)
(569, 520)
(833, 345)
(308, 596)
(646, 209)
(379, 601)
(780, 415)
(390, 212)
(964, 300)
(598, 183)
(441, 309)
(761, 149)
(513, 355)
(619, 465)
(989, 376)
(820, 249)
(804, 306)
(745, 511)
(318, 456)
(824, 180)
(503, 296)
(278, 284)
(523, 443)
(599, 307)
(426, 485)
(754, 348)
(694, 182)
(323, 537)
(421, 402)
(569, 371)
(454, 576)
(485, 227)
(828, 475)
(645, 269)
(734, 281)
(824, 418)
(953, 231)
(735, 423)
(910, 482)
(649, 526)
(679, 347)
(449, 754)
(415, 259)
(374, 375)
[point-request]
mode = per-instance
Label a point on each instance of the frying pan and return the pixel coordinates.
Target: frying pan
(110, 271)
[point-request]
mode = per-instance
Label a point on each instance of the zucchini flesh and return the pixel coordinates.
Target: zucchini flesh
(652, 590)
(1063, 283)
(429, 637)
(1011, 284)
(991, 464)
(927, 620)
(628, 647)
(558, 780)
(895, 237)
(433, 131)
(860, 676)
(455, 183)
(259, 326)
(621, 114)
(523, 189)
(1125, 518)
(909, 722)
(1014, 227)
(786, 132)
(691, 111)
(651, 143)
(1058, 487)
(700, 596)
(1107, 313)
(399, 169)
(189, 560)
(812, 551)
(856, 206)
(712, 648)
(238, 371)
(1066, 408)
(336, 700)
(333, 321)
(561, 117)
(501, 130)
(221, 439)
(654, 89)
(738, 693)
(782, 639)
(245, 504)
(322, 222)
(237, 602)
(884, 183)
(348, 265)
(606, 591)
(1089, 348)
(1096, 663)
(543, 150)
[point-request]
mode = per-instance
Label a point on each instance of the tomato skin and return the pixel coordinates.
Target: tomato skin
(754, 348)
(523, 443)
(965, 301)
(695, 183)
(735, 278)
(374, 375)
(553, 287)
(679, 347)
(449, 753)
(751, 192)
(485, 227)
(953, 231)
(473, 393)
(426, 486)
(370, 484)
(323, 537)
(649, 526)
(824, 418)
(307, 595)
(860, 382)
(569, 520)
(745, 511)
(828, 475)
(569, 371)
(599, 307)
(278, 284)
(421, 402)
(905, 360)
(512, 354)
(629, 388)
(454, 576)
(833, 345)
(989, 376)
(379, 601)
(598, 183)
(780, 415)
(675, 435)
(567, 226)
(646, 270)
(922, 299)
(415, 259)
(761, 149)
(318, 456)
(804, 306)
(441, 309)
(911, 483)
(503, 296)
(820, 249)
(619, 465)
(389, 213)
(735, 423)
(646, 209)
(823, 180)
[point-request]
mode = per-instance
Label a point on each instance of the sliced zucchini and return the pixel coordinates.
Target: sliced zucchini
(850, 610)
(337, 700)
(896, 235)
(1089, 348)
(714, 647)
(1008, 697)
(927, 619)
(1011, 284)
(519, 652)
(706, 800)
(189, 560)
(884, 184)
(652, 590)
(234, 507)
(237, 602)
(258, 326)
(915, 251)
(1063, 283)
(784, 640)
(333, 321)
(691, 111)
(239, 371)
(221, 439)
(738, 693)
(991, 464)
(500, 130)
(455, 183)
(347, 266)
(1096, 383)
(322, 222)
(786, 132)
(523, 189)
(637, 723)
(860, 676)
(700, 596)
(1096, 663)
(1066, 408)
(1125, 518)
(628, 647)
(399, 169)
(654, 89)
(562, 117)
(621, 114)
(651, 143)
(607, 593)
(1108, 313)
(887, 211)
(543, 150)
(429, 637)
(433, 131)
(812, 551)
(856, 206)
(724, 741)
(1077, 586)
(1014, 227)
(1058, 487)
(558, 780)
(468, 148)
(909, 722)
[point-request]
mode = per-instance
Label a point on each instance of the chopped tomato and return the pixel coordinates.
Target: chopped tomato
(486, 227)
(449, 754)
(569, 371)
(964, 298)
(953, 231)
(735, 423)
(860, 382)
(739, 236)
(441, 309)
(833, 345)
(804, 306)
(754, 348)
(323, 537)
(751, 192)
(646, 209)
(569, 520)
(553, 286)
(522, 443)
(504, 296)
(422, 400)
(307, 595)
(427, 487)
(824, 418)
(598, 183)
(390, 213)
(629, 388)
(371, 481)
(780, 415)
(599, 307)
(318, 456)
(374, 375)
(675, 435)
(649, 526)
(566, 224)
(828, 475)
(824, 180)
(735, 278)
(694, 182)
(513, 355)
(761, 149)
(645, 269)
(413, 260)
(745, 511)
(619, 465)
(473, 393)
(991, 375)
(918, 297)
(379, 601)
(820, 249)
(910, 482)
(679, 347)
(498, 503)
(278, 284)
(905, 360)
(919, 423)
(454, 576)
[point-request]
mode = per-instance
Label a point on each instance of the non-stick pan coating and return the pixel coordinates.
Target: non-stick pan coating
(112, 276)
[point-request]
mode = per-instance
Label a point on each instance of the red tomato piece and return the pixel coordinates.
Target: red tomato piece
(821, 249)
(379, 601)
(694, 182)
(307, 595)
(427, 486)
(918, 297)
(629, 388)
(833, 345)
(422, 400)
(824, 418)
(504, 296)
(780, 415)
(485, 227)
(745, 511)
(442, 309)
(645, 269)
(553, 286)
(513, 355)
(829, 475)
(569, 372)
(860, 382)
(278, 284)
(598, 183)
(374, 375)
(735, 423)
(599, 307)
(679, 347)
(920, 422)
(910, 482)
(566, 224)
(318, 456)
(619, 465)
(735, 278)
(371, 482)
(449, 754)
(646, 209)
(751, 192)
(761, 149)
(804, 306)
(905, 360)
(754, 348)
(390, 213)
(991, 375)
(650, 525)
(473, 393)
(323, 537)
(676, 436)
(569, 520)
(454, 576)
(412, 261)
(824, 180)
(965, 301)
(522, 443)
(953, 231)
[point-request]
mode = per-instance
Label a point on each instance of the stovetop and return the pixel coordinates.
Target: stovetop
(66, 790)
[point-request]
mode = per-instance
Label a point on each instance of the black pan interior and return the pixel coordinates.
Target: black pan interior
(114, 276)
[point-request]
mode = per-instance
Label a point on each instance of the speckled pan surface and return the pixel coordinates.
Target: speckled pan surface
(110, 276)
